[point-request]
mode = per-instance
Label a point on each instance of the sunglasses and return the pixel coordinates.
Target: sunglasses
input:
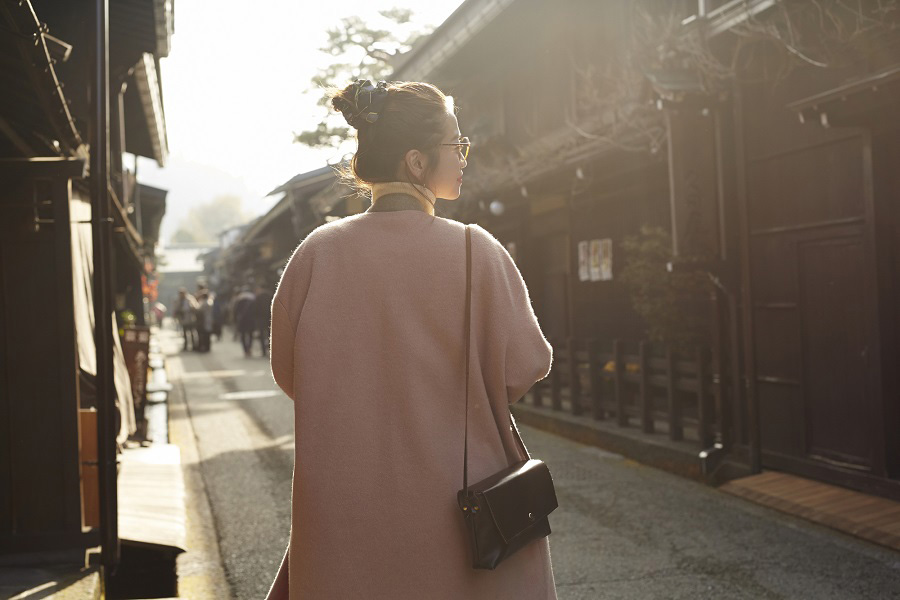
(463, 146)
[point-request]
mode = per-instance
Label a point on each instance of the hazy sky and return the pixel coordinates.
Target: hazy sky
(236, 88)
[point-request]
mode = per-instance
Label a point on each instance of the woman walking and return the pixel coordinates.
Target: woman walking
(368, 340)
(244, 319)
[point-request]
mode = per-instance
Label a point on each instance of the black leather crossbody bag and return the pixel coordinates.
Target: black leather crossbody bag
(507, 510)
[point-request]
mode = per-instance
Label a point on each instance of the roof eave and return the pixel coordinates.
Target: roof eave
(453, 34)
(147, 82)
(304, 179)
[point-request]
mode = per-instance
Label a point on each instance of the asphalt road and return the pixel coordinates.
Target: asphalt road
(622, 530)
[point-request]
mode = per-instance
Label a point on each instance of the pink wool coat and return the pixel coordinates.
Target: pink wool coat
(368, 341)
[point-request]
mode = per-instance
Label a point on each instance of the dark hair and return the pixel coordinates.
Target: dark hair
(412, 115)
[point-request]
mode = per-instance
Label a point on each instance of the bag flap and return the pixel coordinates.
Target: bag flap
(519, 496)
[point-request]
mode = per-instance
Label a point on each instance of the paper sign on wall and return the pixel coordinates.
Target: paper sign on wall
(606, 260)
(595, 260)
(583, 270)
(599, 261)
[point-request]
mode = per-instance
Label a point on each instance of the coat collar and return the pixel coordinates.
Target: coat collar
(399, 195)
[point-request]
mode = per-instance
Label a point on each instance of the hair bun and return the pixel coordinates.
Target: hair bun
(361, 102)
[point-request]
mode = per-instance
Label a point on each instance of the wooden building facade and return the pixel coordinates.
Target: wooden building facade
(258, 253)
(70, 217)
(821, 250)
(769, 164)
(775, 178)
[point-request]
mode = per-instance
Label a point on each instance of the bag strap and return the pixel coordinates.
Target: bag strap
(515, 430)
(517, 437)
(468, 328)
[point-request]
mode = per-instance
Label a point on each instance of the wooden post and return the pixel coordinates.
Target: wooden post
(750, 397)
(646, 394)
(90, 482)
(737, 388)
(676, 429)
(574, 379)
(720, 421)
(704, 417)
(594, 371)
(618, 354)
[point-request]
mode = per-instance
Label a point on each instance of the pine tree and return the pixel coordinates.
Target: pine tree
(361, 51)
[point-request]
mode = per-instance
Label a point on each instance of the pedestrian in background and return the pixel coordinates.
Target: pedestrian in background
(218, 315)
(232, 318)
(262, 307)
(185, 309)
(368, 341)
(204, 320)
(158, 310)
(245, 319)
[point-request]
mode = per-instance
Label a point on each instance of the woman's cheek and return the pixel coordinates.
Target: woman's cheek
(451, 177)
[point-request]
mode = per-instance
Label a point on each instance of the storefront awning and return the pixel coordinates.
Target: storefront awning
(139, 26)
(145, 120)
(152, 203)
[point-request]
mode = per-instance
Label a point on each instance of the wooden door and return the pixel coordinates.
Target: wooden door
(840, 424)
(40, 499)
(815, 324)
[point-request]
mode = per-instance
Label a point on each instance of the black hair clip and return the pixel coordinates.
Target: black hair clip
(368, 101)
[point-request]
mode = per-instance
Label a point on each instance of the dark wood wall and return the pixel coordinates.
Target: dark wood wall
(547, 226)
(39, 458)
(818, 244)
(615, 209)
(886, 179)
(816, 337)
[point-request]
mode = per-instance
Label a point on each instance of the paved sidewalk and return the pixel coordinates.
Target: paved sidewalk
(865, 516)
(241, 428)
(201, 575)
(628, 531)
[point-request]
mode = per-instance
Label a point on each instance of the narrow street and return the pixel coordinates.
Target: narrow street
(244, 431)
(622, 530)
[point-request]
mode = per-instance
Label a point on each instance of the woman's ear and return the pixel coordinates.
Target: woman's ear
(416, 163)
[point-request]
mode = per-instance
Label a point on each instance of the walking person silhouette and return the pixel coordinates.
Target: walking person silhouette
(368, 340)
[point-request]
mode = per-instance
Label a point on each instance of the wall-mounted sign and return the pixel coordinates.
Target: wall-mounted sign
(595, 260)
(606, 250)
(583, 267)
(136, 348)
(547, 203)
(694, 186)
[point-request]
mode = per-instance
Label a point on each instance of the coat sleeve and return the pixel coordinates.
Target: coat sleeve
(287, 306)
(528, 355)
(281, 348)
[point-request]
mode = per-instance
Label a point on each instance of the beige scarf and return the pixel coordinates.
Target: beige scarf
(419, 192)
